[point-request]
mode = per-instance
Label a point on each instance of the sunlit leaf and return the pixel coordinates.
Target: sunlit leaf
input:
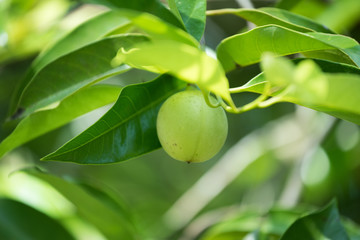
(19, 221)
(321, 91)
(73, 71)
(88, 32)
(257, 83)
(71, 107)
(279, 73)
(279, 17)
(126, 131)
(185, 62)
(152, 25)
(324, 224)
(297, 20)
(247, 48)
(103, 211)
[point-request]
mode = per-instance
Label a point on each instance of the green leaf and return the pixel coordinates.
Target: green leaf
(347, 45)
(73, 71)
(193, 15)
(279, 72)
(153, 7)
(156, 28)
(103, 211)
(236, 228)
(185, 62)
(265, 225)
(247, 48)
(332, 67)
(257, 83)
(297, 20)
(324, 224)
(275, 16)
(127, 130)
(340, 105)
(320, 91)
(174, 9)
(86, 33)
(71, 107)
(19, 221)
(95, 68)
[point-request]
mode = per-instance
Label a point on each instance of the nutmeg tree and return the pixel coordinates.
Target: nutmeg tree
(167, 82)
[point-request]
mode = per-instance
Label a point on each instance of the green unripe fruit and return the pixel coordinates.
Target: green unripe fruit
(188, 129)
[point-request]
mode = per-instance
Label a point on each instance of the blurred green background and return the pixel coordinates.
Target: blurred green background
(283, 156)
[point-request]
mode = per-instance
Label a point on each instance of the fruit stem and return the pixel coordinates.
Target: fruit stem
(208, 99)
(276, 99)
(191, 86)
(260, 102)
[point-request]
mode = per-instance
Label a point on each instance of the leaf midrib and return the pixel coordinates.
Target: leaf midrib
(115, 126)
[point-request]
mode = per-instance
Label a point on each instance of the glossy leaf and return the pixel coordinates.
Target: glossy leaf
(126, 131)
(296, 19)
(103, 211)
(71, 107)
(247, 48)
(73, 71)
(321, 91)
(193, 15)
(154, 7)
(324, 224)
(152, 25)
(185, 62)
(86, 33)
(347, 45)
(19, 221)
(280, 17)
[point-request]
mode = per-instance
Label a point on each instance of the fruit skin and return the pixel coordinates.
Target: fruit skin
(188, 129)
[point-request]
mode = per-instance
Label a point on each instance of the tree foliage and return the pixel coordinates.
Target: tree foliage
(311, 61)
